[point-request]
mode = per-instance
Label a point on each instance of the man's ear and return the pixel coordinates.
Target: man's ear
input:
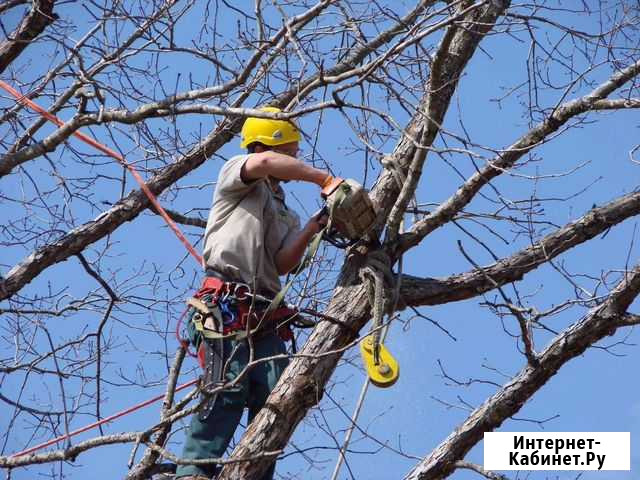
(259, 148)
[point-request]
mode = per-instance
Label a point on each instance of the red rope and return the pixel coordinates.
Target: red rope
(106, 150)
(154, 201)
(122, 413)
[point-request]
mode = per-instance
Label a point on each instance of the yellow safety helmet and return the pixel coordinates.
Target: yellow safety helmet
(267, 131)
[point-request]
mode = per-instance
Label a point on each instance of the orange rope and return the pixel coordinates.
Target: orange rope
(106, 150)
(154, 201)
(122, 413)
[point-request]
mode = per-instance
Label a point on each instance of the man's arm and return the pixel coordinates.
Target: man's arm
(289, 256)
(280, 166)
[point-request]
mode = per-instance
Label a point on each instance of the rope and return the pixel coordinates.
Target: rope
(365, 386)
(107, 151)
(172, 225)
(375, 271)
(115, 416)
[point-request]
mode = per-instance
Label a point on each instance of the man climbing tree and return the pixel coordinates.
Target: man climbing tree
(251, 238)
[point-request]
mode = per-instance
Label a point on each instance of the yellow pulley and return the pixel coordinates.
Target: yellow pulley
(386, 372)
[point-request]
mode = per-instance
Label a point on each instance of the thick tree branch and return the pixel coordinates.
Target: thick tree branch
(598, 323)
(429, 291)
(616, 104)
(629, 319)
(32, 25)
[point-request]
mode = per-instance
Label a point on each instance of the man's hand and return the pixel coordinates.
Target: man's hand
(289, 256)
(318, 221)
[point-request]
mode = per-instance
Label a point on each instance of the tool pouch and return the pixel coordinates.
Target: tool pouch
(351, 210)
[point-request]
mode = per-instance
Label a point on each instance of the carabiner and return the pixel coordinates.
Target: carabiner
(228, 315)
(243, 287)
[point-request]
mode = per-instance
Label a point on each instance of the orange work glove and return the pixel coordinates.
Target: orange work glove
(329, 185)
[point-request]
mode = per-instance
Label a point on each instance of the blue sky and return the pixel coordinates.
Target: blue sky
(594, 392)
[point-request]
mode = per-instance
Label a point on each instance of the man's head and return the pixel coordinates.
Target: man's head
(260, 134)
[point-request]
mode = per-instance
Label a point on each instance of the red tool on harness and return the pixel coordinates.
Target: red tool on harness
(230, 310)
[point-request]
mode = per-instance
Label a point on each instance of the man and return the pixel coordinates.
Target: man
(251, 238)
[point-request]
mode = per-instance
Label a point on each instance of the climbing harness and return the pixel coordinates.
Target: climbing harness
(222, 311)
(229, 310)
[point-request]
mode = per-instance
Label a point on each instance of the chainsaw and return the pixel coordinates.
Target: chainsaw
(350, 210)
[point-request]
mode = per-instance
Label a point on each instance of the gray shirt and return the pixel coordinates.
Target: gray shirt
(248, 224)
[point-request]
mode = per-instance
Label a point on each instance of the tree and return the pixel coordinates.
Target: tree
(142, 80)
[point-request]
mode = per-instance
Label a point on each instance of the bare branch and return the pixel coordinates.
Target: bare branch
(535, 137)
(525, 326)
(7, 4)
(32, 25)
(478, 469)
(418, 292)
(600, 322)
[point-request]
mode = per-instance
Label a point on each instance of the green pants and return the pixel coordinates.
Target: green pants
(210, 438)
